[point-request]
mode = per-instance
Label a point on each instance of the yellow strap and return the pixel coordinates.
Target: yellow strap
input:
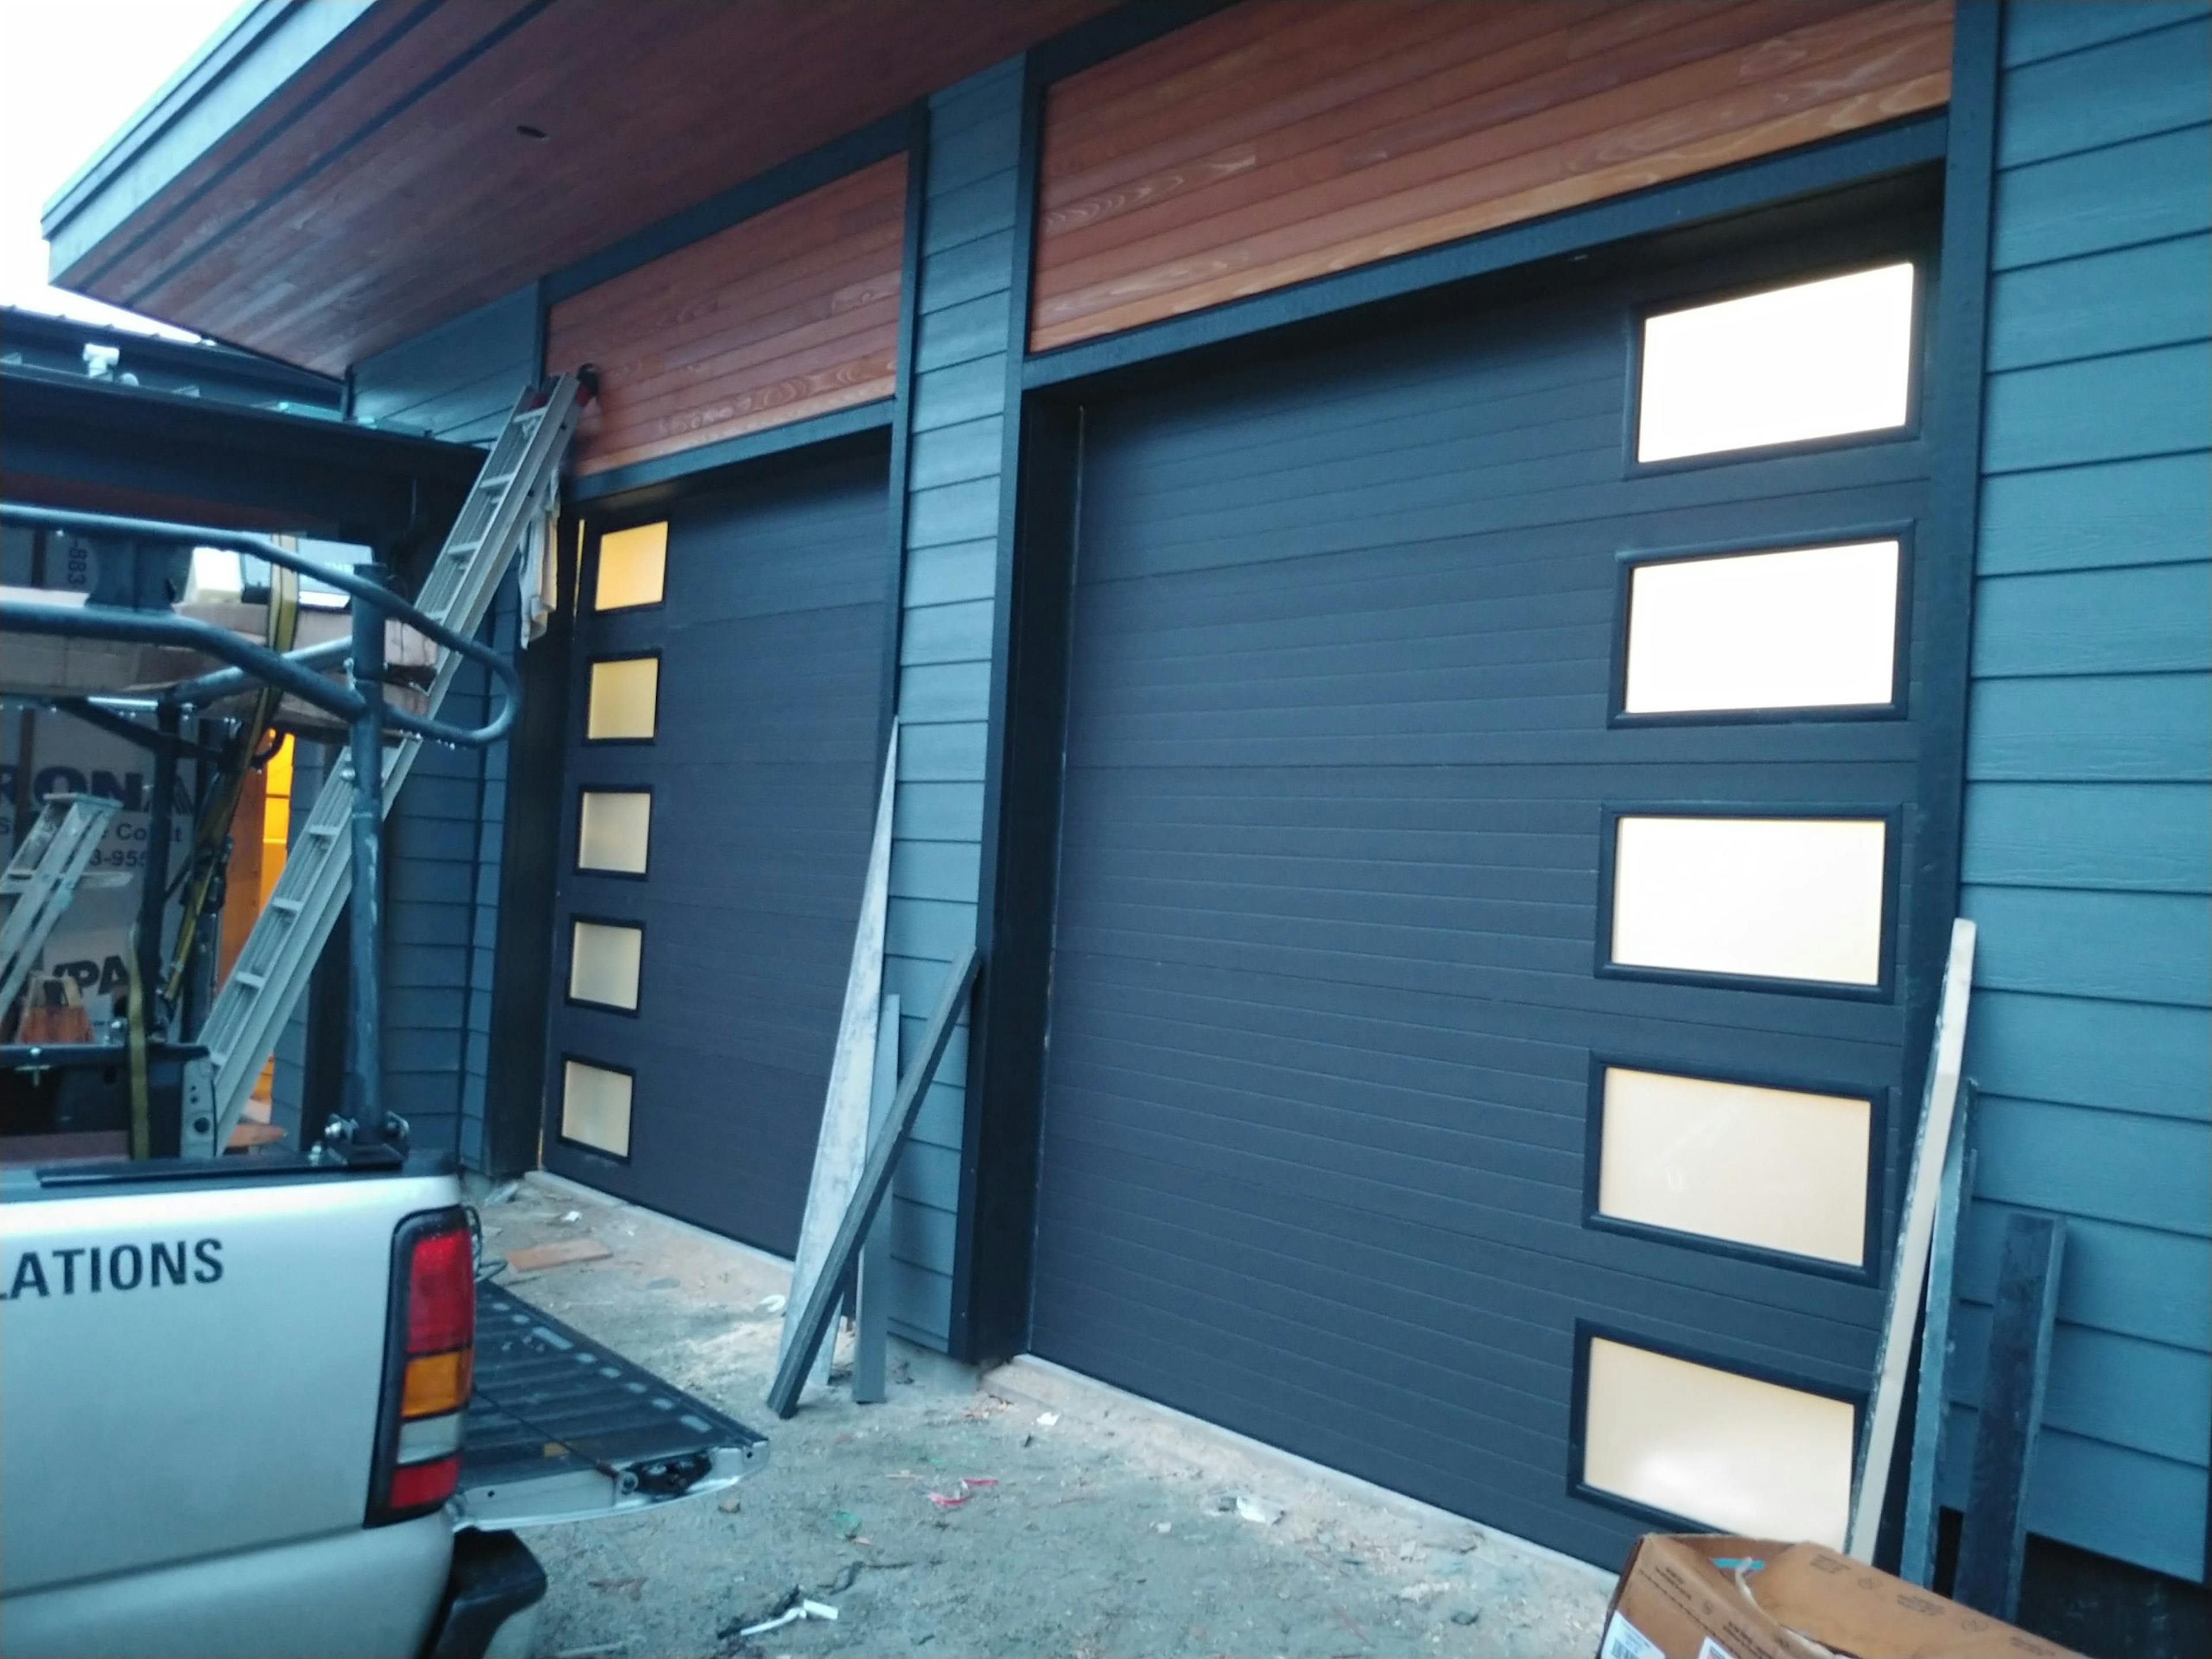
(141, 1130)
(283, 629)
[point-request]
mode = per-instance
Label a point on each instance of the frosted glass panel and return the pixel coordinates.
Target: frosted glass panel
(595, 1107)
(625, 694)
(633, 567)
(1726, 1451)
(1808, 627)
(1782, 898)
(1814, 361)
(1767, 1167)
(614, 830)
(602, 961)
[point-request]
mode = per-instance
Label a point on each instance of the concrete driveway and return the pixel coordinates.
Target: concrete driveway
(1093, 1523)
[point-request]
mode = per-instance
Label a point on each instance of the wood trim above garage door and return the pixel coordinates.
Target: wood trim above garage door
(791, 313)
(1282, 140)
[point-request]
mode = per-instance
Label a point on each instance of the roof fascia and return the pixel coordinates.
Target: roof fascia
(265, 44)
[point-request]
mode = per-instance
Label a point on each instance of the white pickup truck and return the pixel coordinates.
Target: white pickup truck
(263, 1407)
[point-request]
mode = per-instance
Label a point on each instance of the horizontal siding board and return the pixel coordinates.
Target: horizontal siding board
(2104, 1498)
(2136, 1281)
(2035, 29)
(2111, 945)
(2128, 511)
(2151, 838)
(2152, 620)
(2116, 1166)
(2146, 1396)
(952, 512)
(452, 379)
(947, 633)
(982, 207)
(922, 1234)
(947, 574)
(961, 333)
(2108, 93)
(2132, 1057)
(2145, 403)
(952, 753)
(966, 392)
(2146, 728)
(969, 272)
(955, 454)
(2155, 295)
(2078, 204)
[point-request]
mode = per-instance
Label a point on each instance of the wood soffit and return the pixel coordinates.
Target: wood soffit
(387, 187)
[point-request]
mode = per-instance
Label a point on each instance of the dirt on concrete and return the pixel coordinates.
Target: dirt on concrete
(1087, 1522)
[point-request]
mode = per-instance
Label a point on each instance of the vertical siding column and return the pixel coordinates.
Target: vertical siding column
(958, 485)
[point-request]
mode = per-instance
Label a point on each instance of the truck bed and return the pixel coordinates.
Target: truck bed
(563, 1428)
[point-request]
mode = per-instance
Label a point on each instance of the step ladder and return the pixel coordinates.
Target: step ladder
(43, 878)
(514, 489)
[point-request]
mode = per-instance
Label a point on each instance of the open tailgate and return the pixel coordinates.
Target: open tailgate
(563, 1428)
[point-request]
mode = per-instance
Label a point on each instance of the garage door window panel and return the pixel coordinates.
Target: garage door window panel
(1799, 630)
(606, 960)
(614, 832)
(1759, 1167)
(1802, 364)
(632, 571)
(1779, 899)
(1696, 1445)
(596, 1104)
(622, 700)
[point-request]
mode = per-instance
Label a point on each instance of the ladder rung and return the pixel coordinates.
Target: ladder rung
(252, 981)
(291, 906)
(501, 481)
(324, 831)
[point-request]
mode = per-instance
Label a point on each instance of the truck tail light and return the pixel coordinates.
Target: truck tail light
(430, 1334)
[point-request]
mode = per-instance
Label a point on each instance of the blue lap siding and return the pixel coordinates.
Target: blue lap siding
(2088, 856)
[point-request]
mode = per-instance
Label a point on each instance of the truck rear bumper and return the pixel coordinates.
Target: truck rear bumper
(373, 1593)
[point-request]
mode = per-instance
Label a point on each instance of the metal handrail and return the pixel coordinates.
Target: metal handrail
(288, 672)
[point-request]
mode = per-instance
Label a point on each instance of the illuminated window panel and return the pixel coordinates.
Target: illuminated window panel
(1816, 360)
(1773, 898)
(614, 831)
(624, 700)
(595, 1105)
(1806, 628)
(603, 963)
(1721, 1449)
(633, 567)
(1771, 1168)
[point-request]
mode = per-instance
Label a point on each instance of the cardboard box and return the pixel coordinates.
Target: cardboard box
(1704, 1596)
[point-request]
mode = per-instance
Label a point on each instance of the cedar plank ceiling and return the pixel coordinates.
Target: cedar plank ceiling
(1281, 140)
(789, 313)
(384, 188)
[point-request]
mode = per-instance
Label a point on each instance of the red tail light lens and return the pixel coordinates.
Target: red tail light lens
(441, 1293)
(428, 1347)
(417, 1487)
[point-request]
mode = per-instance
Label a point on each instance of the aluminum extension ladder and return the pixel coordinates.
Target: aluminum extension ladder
(42, 879)
(516, 486)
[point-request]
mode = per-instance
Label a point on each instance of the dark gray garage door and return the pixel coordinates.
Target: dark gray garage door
(714, 841)
(1341, 980)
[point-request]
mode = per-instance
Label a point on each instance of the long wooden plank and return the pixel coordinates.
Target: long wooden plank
(1931, 1415)
(871, 1316)
(1994, 1535)
(873, 1188)
(843, 1140)
(1908, 1273)
(1301, 163)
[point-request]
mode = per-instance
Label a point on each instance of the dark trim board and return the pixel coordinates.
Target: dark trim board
(1814, 171)
(1586, 1329)
(1880, 1108)
(690, 466)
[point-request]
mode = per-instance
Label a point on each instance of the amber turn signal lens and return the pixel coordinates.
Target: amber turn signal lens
(436, 1382)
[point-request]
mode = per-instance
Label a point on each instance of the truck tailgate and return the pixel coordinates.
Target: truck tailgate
(563, 1428)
